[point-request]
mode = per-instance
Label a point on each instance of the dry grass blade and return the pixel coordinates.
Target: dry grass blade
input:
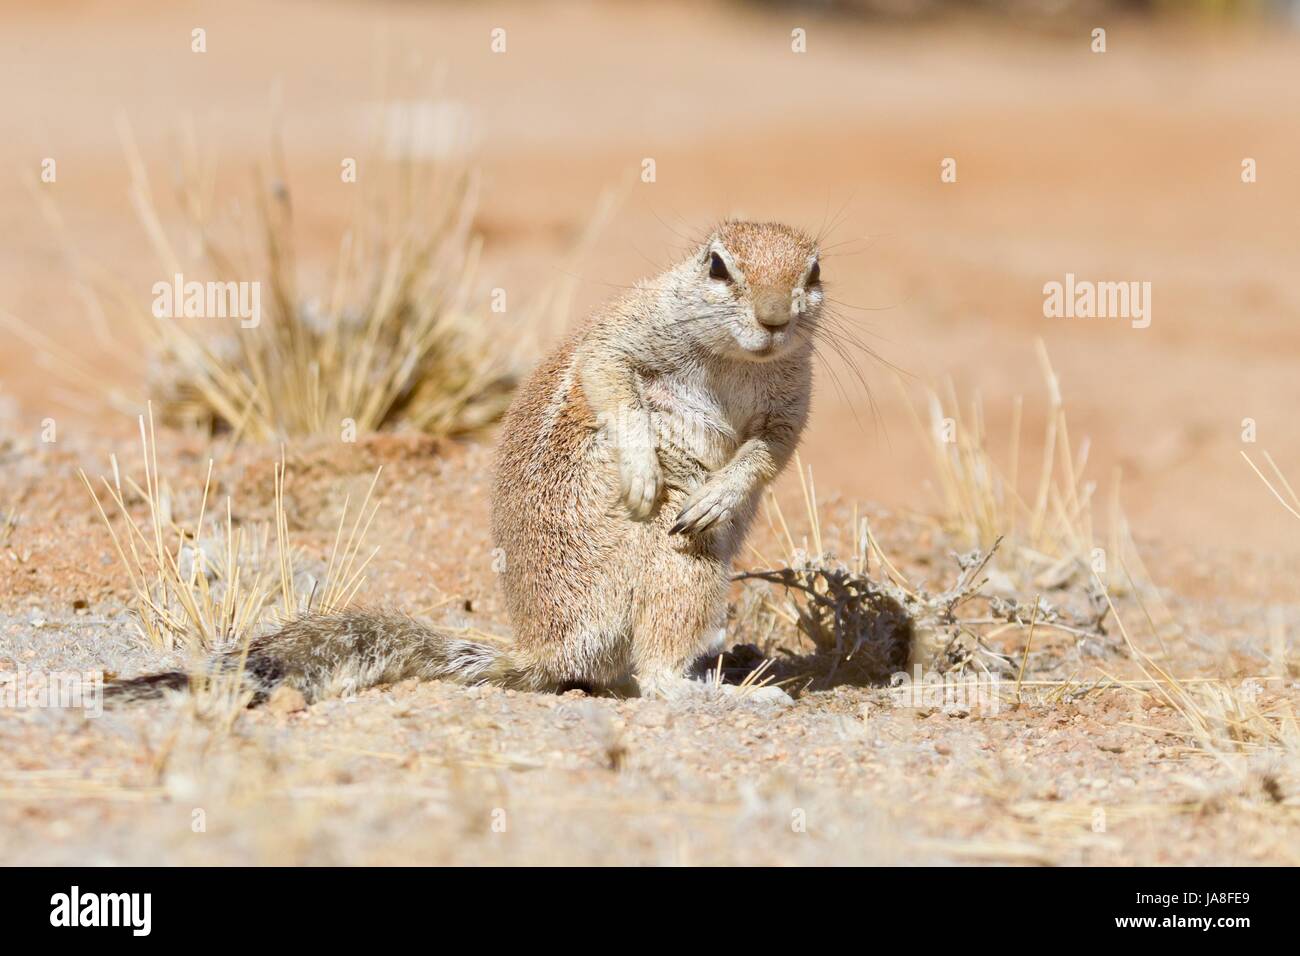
(1293, 506)
(9, 521)
(212, 584)
(1280, 662)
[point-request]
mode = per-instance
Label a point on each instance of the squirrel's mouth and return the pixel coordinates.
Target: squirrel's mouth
(765, 349)
(756, 343)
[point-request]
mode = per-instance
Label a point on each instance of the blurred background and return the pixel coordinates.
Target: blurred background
(1122, 165)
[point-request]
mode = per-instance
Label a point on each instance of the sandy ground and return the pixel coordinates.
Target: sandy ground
(432, 773)
(1122, 166)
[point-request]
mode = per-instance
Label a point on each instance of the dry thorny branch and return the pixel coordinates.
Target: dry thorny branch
(863, 630)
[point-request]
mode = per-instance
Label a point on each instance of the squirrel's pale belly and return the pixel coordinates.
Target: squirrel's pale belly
(698, 421)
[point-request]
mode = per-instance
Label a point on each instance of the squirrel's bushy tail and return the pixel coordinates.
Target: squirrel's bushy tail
(323, 655)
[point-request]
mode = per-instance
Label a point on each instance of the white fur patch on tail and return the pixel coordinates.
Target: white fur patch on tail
(469, 662)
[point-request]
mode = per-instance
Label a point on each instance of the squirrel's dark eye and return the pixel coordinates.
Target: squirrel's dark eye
(815, 274)
(718, 268)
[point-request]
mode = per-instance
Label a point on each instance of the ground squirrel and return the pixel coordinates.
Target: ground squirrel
(629, 469)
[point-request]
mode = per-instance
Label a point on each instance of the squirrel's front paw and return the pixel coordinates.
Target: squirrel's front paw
(639, 478)
(708, 505)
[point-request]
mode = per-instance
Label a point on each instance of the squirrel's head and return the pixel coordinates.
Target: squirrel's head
(762, 290)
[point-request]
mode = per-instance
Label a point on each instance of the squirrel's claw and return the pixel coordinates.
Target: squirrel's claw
(708, 506)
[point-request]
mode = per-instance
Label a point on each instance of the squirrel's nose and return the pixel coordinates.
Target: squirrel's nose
(772, 311)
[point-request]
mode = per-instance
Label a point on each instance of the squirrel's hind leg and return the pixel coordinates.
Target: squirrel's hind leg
(680, 608)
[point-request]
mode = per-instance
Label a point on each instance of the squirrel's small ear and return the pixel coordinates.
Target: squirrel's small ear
(718, 268)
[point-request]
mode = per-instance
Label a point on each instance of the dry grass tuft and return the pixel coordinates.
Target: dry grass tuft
(392, 339)
(212, 584)
(1049, 530)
